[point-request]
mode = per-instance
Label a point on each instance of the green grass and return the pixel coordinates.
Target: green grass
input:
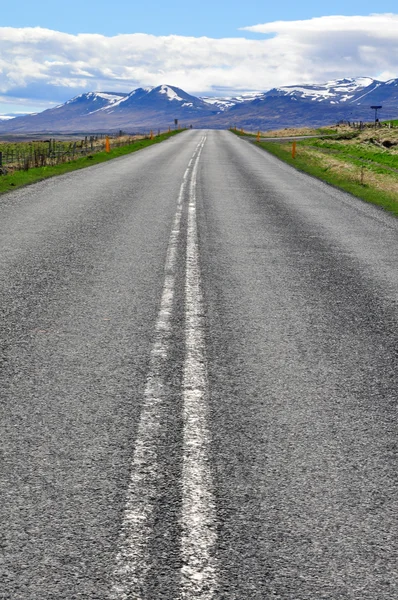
(355, 153)
(25, 148)
(394, 122)
(368, 194)
(19, 179)
(326, 131)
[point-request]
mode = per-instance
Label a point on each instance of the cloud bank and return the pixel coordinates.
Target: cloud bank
(44, 66)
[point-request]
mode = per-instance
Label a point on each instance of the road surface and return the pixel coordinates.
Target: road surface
(198, 382)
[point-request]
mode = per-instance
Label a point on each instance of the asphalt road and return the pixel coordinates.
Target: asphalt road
(199, 382)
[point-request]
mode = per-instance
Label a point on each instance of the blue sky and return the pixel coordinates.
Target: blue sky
(188, 18)
(208, 47)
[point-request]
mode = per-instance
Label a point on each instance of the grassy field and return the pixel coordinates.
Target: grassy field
(18, 155)
(288, 132)
(16, 178)
(363, 163)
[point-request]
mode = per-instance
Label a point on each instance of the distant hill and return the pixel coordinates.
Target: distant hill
(157, 107)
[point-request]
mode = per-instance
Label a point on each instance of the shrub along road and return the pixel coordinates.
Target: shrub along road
(199, 382)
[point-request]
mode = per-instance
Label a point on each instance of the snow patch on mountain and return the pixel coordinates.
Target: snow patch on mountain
(109, 97)
(223, 103)
(170, 93)
(112, 105)
(368, 92)
(112, 98)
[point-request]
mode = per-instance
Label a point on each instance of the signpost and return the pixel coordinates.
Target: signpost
(376, 108)
(176, 123)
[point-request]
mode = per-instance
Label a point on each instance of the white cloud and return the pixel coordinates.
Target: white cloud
(375, 24)
(49, 65)
(336, 46)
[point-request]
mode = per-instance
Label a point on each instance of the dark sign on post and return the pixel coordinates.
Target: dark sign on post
(176, 122)
(376, 108)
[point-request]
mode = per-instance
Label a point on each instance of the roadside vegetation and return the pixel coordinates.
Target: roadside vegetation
(288, 132)
(362, 162)
(22, 171)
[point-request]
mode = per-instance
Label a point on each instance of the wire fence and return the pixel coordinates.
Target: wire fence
(17, 156)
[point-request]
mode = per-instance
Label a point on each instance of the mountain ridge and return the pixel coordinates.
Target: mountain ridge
(157, 107)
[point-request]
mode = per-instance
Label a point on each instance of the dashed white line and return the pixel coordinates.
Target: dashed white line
(199, 571)
(133, 560)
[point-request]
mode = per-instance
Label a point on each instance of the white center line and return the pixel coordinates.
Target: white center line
(133, 561)
(199, 571)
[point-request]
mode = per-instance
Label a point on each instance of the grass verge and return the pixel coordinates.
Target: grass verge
(356, 152)
(287, 132)
(345, 179)
(18, 179)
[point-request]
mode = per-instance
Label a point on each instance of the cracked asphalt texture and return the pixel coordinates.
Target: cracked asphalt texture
(300, 285)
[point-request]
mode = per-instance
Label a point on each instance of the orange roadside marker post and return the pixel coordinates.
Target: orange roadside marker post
(107, 144)
(258, 136)
(151, 135)
(294, 150)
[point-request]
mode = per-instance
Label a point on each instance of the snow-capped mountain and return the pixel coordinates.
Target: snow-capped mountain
(331, 92)
(163, 97)
(143, 108)
(157, 107)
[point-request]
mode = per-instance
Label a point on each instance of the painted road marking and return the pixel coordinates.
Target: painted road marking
(199, 571)
(133, 559)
